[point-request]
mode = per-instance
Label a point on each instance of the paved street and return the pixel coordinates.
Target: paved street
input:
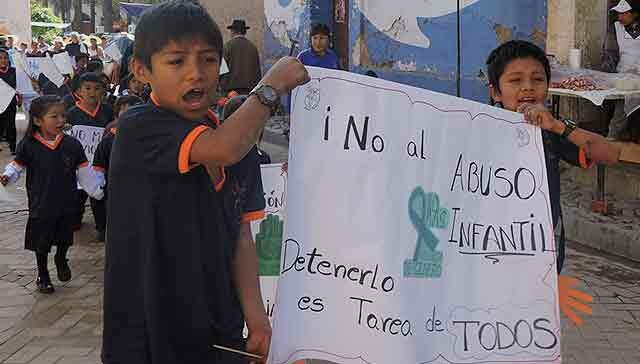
(65, 327)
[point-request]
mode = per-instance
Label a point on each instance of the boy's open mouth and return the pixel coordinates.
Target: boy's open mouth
(195, 98)
(527, 100)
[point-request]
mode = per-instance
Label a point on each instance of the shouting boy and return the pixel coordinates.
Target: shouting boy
(181, 267)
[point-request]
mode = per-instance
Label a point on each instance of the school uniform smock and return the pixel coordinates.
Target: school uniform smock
(169, 293)
(51, 188)
(555, 149)
(99, 118)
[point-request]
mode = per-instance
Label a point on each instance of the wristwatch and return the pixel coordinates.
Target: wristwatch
(569, 127)
(268, 96)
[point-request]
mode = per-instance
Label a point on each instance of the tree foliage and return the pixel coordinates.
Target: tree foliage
(45, 15)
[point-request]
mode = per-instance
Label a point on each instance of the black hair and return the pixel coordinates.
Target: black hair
(4, 50)
(95, 65)
(234, 104)
(90, 77)
(174, 20)
(500, 58)
(320, 29)
(81, 56)
(39, 108)
(128, 100)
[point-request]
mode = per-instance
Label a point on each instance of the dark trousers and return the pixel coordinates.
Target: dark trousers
(8, 126)
(98, 207)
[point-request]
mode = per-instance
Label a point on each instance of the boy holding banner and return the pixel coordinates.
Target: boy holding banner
(519, 74)
(181, 266)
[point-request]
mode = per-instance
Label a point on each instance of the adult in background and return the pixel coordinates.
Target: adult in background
(243, 60)
(622, 55)
(319, 55)
(43, 47)
(95, 51)
(75, 48)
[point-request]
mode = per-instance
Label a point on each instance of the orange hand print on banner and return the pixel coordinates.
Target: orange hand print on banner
(570, 300)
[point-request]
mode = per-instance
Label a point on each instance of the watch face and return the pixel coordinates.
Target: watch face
(270, 93)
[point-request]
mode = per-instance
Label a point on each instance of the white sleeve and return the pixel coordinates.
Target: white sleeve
(13, 170)
(90, 182)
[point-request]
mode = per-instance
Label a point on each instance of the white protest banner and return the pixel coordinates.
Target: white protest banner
(89, 137)
(63, 62)
(268, 232)
(51, 71)
(224, 68)
(113, 52)
(418, 230)
(7, 93)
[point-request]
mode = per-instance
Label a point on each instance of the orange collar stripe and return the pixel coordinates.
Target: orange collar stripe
(90, 113)
(46, 144)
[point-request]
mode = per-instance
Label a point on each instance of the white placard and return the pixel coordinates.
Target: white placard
(51, 71)
(418, 230)
(63, 62)
(113, 52)
(268, 232)
(89, 137)
(224, 68)
(7, 93)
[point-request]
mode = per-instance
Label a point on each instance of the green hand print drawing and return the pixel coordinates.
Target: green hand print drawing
(269, 245)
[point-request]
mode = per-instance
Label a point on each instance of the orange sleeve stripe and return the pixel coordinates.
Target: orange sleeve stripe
(584, 161)
(253, 216)
(99, 169)
(185, 148)
(18, 164)
(83, 164)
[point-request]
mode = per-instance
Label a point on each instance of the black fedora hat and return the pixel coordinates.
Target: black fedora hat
(238, 24)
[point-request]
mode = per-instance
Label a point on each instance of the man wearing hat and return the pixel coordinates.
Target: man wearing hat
(622, 55)
(243, 61)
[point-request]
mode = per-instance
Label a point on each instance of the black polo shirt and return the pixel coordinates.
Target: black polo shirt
(51, 174)
(100, 117)
(555, 149)
(169, 293)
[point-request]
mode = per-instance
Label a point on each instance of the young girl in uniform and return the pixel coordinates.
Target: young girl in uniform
(55, 163)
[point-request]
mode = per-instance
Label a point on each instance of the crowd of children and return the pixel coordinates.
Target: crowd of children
(181, 267)
(59, 177)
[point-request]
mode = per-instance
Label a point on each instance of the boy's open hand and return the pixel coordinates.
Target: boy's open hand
(287, 74)
(259, 339)
(540, 116)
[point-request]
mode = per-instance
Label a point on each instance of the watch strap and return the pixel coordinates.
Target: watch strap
(569, 127)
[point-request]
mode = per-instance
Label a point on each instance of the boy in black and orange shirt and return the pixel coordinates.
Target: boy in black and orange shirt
(181, 266)
(89, 111)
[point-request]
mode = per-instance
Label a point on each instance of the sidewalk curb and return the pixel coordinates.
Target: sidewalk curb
(583, 227)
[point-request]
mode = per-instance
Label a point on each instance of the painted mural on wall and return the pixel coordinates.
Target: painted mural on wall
(286, 21)
(414, 43)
